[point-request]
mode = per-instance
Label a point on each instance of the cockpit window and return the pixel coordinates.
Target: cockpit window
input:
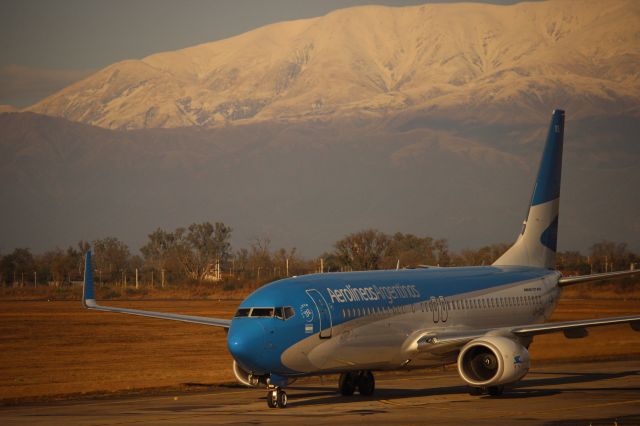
(289, 312)
(283, 313)
(262, 312)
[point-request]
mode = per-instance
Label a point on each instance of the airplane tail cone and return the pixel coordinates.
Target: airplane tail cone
(537, 242)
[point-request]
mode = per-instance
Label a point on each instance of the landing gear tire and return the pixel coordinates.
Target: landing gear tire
(276, 398)
(347, 384)
(272, 398)
(366, 383)
(495, 390)
(474, 391)
(282, 399)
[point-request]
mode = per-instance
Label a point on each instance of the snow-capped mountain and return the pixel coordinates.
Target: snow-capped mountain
(476, 61)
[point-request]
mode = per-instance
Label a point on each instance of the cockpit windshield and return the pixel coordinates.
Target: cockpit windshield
(262, 312)
(281, 312)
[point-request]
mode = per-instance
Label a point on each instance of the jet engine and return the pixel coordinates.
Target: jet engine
(493, 361)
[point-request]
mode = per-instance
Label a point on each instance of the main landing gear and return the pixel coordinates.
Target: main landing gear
(491, 390)
(362, 381)
(276, 398)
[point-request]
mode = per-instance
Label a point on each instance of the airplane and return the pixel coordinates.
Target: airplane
(482, 318)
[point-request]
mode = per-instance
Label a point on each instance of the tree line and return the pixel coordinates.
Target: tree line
(202, 253)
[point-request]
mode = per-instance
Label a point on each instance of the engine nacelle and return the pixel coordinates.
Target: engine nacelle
(493, 361)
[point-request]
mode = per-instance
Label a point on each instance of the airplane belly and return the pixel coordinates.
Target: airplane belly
(369, 346)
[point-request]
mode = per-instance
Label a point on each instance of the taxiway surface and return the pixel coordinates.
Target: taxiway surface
(569, 394)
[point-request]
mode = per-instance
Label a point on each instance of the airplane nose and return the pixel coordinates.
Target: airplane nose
(246, 342)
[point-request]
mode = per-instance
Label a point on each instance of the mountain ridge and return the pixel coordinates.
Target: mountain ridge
(377, 61)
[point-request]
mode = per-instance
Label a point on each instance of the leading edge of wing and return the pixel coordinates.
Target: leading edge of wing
(556, 327)
(89, 302)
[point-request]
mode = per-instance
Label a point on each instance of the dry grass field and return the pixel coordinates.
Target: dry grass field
(57, 349)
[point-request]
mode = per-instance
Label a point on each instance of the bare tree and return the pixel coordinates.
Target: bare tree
(111, 257)
(409, 250)
(201, 246)
(610, 256)
(362, 250)
(160, 252)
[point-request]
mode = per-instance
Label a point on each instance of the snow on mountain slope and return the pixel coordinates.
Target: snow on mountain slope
(476, 61)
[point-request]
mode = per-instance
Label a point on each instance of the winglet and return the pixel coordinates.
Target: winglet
(88, 298)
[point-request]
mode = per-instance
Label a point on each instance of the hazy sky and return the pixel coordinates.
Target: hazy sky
(46, 45)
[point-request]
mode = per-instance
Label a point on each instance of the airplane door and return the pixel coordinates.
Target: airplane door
(324, 315)
(435, 309)
(444, 311)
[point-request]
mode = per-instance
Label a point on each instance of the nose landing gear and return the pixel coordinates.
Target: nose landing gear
(276, 398)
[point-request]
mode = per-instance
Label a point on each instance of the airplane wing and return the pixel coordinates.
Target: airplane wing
(89, 302)
(574, 329)
(442, 342)
(565, 281)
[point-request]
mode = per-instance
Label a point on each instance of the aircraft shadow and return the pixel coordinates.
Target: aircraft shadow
(316, 395)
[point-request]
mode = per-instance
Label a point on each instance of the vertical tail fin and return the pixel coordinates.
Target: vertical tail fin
(536, 245)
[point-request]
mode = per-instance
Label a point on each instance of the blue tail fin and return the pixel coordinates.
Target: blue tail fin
(537, 243)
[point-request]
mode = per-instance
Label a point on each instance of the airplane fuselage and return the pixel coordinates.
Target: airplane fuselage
(370, 320)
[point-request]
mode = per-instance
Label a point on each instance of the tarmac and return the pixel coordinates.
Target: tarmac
(594, 393)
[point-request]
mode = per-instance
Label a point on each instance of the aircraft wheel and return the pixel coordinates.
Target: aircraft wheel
(281, 399)
(366, 383)
(347, 384)
(474, 391)
(272, 398)
(495, 390)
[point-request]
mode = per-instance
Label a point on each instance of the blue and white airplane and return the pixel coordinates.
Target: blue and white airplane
(482, 318)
